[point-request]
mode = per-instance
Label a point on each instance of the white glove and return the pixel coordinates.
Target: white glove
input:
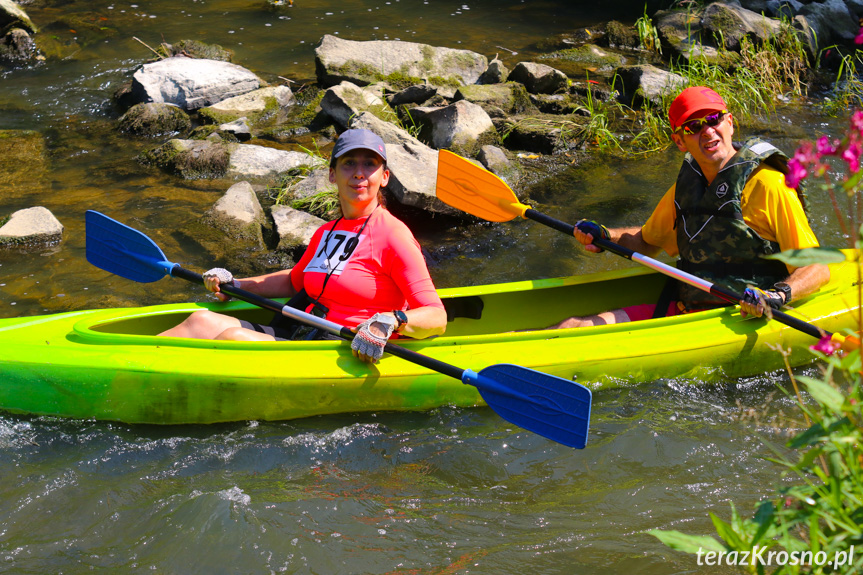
(367, 344)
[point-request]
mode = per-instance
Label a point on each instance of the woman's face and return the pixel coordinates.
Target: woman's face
(359, 175)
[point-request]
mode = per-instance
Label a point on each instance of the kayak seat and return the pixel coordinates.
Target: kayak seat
(469, 307)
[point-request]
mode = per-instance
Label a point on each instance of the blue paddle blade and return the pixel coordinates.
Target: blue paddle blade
(545, 404)
(124, 251)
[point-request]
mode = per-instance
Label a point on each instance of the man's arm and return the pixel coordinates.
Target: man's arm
(803, 281)
(630, 238)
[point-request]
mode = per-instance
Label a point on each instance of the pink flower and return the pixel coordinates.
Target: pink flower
(851, 154)
(796, 172)
(826, 147)
(859, 38)
(825, 345)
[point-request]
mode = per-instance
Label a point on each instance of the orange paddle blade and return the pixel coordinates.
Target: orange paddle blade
(472, 189)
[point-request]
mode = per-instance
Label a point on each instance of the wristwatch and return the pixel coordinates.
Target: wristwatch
(785, 289)
(401, 318)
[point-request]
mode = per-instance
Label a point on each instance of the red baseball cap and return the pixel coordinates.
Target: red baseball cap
(690, 102)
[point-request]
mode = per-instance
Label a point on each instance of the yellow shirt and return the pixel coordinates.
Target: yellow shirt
(769, 207)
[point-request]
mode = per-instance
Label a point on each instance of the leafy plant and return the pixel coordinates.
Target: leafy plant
(648, 36)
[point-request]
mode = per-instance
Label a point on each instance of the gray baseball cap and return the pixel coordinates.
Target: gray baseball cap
(359, 139)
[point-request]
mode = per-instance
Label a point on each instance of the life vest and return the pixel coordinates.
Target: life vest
(713, 240)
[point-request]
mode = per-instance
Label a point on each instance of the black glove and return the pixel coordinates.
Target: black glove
(773, 298)
(593, 228)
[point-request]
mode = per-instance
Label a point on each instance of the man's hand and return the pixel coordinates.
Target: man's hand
(587, 230)
(756, 301)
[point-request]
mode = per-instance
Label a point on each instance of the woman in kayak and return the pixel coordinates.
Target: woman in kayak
(364, 270)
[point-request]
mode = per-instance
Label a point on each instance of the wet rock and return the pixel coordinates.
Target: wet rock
(295, 228)
(412, 164)
(191, 83)
(13, 16)
(648, 82)
(261, 163)
(416, 94)
(618, 35)
(458, 125)
(31, 226)
(17, 48)
(315, 182)
(196, 49)
(347, 100)
(733, 23)
(238, 214)
(154, 119)
(555, 103)
(400, 63)
(539, 78)
(542, 133)
(496, 73)
(262, 108)
(497, 99)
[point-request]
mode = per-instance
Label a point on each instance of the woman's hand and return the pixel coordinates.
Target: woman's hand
(372, 336)
(214, 278)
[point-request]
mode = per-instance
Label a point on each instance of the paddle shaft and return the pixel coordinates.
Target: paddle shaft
(328, 326)
(678, 274)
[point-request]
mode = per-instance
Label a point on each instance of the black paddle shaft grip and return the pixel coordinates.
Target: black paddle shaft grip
(343, 332)
(569, 229)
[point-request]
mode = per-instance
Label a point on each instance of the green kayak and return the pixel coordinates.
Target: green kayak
(109, 365)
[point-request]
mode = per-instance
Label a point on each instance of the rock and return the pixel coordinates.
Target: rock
(347, 100)
(733, 23)
(154, 119)
(13, 16)
(459, 124)
(238, 128)
(191, 83)
(497, 99)
(31, 226)
(495, 161)
(17, 48)
(260, 107)
(831, 22)
(238, 213)
(316, 181)
(496, 73)
(295, 228)
(539, 78)
(555, 103)
(412, 164)
(196, 49)
(197, 159)
(543, 134)
(648, 83)
(400, 63)
(260, 163)
(416, 94)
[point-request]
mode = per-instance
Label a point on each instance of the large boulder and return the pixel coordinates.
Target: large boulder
(31, 226)
(191, 83)
(154, 119)
(294, 227)
(13, 16)
(733, 23)
(831, 22)
(197, 159)
(497, 99)
(399, 63)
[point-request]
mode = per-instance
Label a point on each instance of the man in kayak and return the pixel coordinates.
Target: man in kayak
(728, 207)
(365, 269)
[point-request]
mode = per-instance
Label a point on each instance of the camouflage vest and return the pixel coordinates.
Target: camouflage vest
(714, 241)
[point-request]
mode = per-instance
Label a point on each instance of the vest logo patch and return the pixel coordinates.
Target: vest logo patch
(722, 190)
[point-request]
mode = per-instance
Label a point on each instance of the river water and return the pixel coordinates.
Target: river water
(443, 492)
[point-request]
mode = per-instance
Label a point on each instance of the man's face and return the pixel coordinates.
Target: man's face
(711, 146)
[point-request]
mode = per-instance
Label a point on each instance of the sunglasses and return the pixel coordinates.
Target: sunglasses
(695, 126)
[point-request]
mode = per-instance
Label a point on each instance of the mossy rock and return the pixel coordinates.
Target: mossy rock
(190, 159)
(154, 119)
(619, 35)
(543, 133)
(196, 49)
(511, 98)
(584, 60)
